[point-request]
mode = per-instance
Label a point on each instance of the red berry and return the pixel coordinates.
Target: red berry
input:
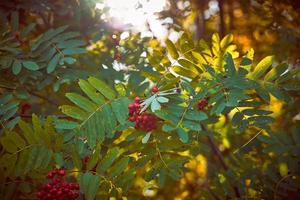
(202, 104)
(86, 159)
(61, 172)
(132, 119)
(154, 89)
(131, 106)
(137, 100)
(136, 105)
(50, 175)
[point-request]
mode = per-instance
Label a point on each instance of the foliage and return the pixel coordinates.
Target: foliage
(236, 145)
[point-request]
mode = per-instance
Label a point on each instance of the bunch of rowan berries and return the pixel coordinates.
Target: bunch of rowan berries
(58, 188)
(203, 103)
(143, 121)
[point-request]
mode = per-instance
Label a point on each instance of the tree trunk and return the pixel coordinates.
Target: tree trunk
(222, 22)
(199, 20)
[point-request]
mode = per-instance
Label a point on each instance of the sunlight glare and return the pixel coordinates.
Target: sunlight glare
(136, 15)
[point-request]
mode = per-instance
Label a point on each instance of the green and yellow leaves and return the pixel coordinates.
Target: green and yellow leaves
(276, 72)
(31, 149)
(172, 49)
(261, 67)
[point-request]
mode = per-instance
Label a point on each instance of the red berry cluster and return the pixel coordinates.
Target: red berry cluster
(57, 188)
(202, 104)
(143, 121)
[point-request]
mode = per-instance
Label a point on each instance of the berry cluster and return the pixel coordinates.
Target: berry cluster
(57, 188)
(143, 121)
(202, 104)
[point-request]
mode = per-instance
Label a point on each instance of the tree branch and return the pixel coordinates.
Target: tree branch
(217, 151)
(32, 93)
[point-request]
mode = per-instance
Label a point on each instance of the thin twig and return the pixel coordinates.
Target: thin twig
(279, 182)
(32, 93)
(237, 150)
(42, 97)
(160, 156)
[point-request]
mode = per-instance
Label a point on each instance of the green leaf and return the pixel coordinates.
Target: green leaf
(218, 107)
(30, 65)
(68, 60)
(184, 137)
(70, 44)
(27, 30)
(172, 49)
(245, 62)
(110, 120)
(276, 72)
(72, 51)
(162, 99)
(82, 102)
(200, 59)
(229, 66)
(74, 112)
(226, 41)
(53, 63)
(235, 96)
(7, 107)
(102, 88)
(215, 44)
(94, 158)
(17, 67)
(251, 112)
(168, 128)
(292, 86)
(283, 169)
(119, 167)
(191, 125)
(262, 67)
(262, 93)
(146, 138)
(27, 132)
(183, 72)
(155, 105)
(91, 92)
(108, 160)
(89, 184)
(262, 119)
(8, 144)
(5, 98)
(75, 157)
(237, 118)
(65, 124)
(276, 92)
(120, 109)
(189, 65)
(196, 115)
